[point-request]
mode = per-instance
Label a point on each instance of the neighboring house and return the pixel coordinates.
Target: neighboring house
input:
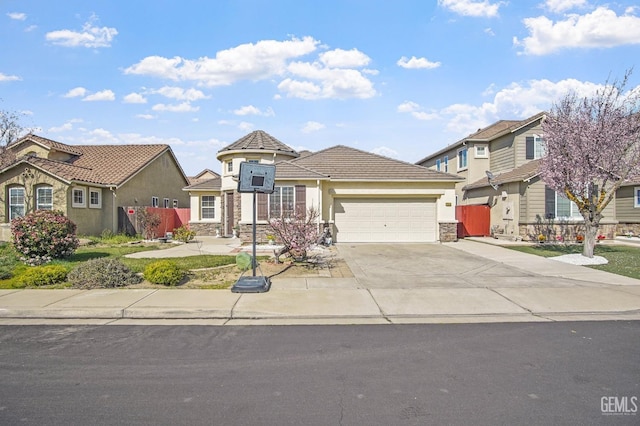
(362, 197)
(89, 183)
(499, 167)
(628, 208)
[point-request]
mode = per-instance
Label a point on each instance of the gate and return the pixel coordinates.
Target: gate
(473, 221)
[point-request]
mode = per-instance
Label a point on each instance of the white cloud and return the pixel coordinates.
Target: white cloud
(18, 16)
(30, 28)
(4, 77)
(104, 95)
(599, 29)
(408, 106)
(339, 58)
(489, 31)
(251, 110)
(146, 116)
(183, 107)
(180, 94)
(134, 98)
(559, 6)
(483, 8)
(75, 92)
(264, 59)
(312, 126)
(386, 152)
(66, 126)
(415, 63)
(332, 76)
(245, 126)
(415, 110)
(90, 36)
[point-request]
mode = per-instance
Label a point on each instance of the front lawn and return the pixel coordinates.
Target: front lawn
(623, 260)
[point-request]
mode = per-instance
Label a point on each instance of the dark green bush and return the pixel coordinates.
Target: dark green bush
(102, 273)
(163, 272)
(37, 276)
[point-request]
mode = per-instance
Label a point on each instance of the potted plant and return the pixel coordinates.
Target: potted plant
(236, 231)
(600, 237)
(579, 238)
(271, 239)
(541, 238)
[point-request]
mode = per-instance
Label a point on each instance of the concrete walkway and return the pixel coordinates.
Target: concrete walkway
(546, 290)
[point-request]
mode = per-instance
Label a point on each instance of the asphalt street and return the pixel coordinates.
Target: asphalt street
(480, 374)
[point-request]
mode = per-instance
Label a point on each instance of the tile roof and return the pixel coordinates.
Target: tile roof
(49, 143)
(213, 184)
(259, 140)
(342, 162)
(98, 164)
(526, 171)
(290, 170)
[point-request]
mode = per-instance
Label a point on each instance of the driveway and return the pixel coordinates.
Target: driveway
(378, 266)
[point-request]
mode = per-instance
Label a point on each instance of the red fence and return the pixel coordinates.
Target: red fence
(473, 221)
(170, 219)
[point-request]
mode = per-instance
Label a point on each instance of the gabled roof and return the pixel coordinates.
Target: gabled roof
(259, 140)
(206, 174)
(523, 173)
(108, 165)
(346, 163)
(213, 184)
(489, 133)
(291, 170)
(47, 143)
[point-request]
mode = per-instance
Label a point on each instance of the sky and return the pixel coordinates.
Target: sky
(400, 78)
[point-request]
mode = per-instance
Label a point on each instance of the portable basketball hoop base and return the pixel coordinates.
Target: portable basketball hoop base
(254, 178)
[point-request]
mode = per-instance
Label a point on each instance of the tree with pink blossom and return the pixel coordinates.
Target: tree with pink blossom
(298, 232)
(592, 148)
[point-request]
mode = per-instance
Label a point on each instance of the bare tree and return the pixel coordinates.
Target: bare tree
(10, 131)
(592, 148)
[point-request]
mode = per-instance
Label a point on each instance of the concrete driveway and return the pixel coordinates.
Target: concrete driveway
(377, 266)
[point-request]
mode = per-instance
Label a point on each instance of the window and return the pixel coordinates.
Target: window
(438, 164)
(230, 166)
(95, 198)
(482, 151)
(155, 202)
(462, 159)
(175, 204)
(253, 161)
(166, 203)
(534, 147)
(16, 202)
(636, 197)
(207, 205)
(445, 160)
(44, 198)
(281, 201)
(557, 206)
(78, 197)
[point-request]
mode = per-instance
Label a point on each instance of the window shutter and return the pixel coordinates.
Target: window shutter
(530, 148)
(301, 199)
(549, 203)
(263, 206)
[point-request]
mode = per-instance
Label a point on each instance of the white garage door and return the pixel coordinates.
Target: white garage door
(385, 220)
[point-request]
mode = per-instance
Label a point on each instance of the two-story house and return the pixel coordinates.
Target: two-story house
(499, 167)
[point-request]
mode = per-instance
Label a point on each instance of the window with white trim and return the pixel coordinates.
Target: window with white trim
(207, 207)
(636, 197)
(566, 209)
(462, 159)
(78, 198)
(155, 202)
(44, 198)
(282, 202)
(166, 203)
(16, 202)
(438, 165)
(230, 166)
(175, 204)
(534, 147)
(95, 198)
(445, 160)
(482, 151)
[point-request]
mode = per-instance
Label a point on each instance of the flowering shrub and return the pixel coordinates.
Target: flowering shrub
(579, 238)
(298, 232)
(541, 238)
(43, 235)
(601, 237)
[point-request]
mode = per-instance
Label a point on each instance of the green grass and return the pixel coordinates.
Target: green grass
(11, 268)
(623, 260)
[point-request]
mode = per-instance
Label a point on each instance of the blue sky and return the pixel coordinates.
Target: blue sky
(401, 78)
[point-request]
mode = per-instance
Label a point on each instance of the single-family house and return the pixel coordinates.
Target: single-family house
(90, 184)
(628, 208)
(499, 169)
(362, 197)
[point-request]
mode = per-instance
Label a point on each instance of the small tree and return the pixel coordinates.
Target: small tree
(592, 148)
(149, 222)
(44, 235)
(298, 232)
(10, 130)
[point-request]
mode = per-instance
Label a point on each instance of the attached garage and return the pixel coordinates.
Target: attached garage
(364, 220)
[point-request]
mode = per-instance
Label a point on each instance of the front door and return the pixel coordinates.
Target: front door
(229, 213)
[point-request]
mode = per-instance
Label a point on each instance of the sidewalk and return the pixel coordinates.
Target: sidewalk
(584, 294)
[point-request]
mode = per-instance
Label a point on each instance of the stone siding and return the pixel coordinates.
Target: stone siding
(448, 231)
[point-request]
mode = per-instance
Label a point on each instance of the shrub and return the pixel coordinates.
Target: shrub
(43, 275)
(184, 234)
(44, 235)
(163, 272)
(102, 273)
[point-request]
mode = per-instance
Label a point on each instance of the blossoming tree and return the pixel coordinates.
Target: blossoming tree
(297, 233)
(592, 148)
